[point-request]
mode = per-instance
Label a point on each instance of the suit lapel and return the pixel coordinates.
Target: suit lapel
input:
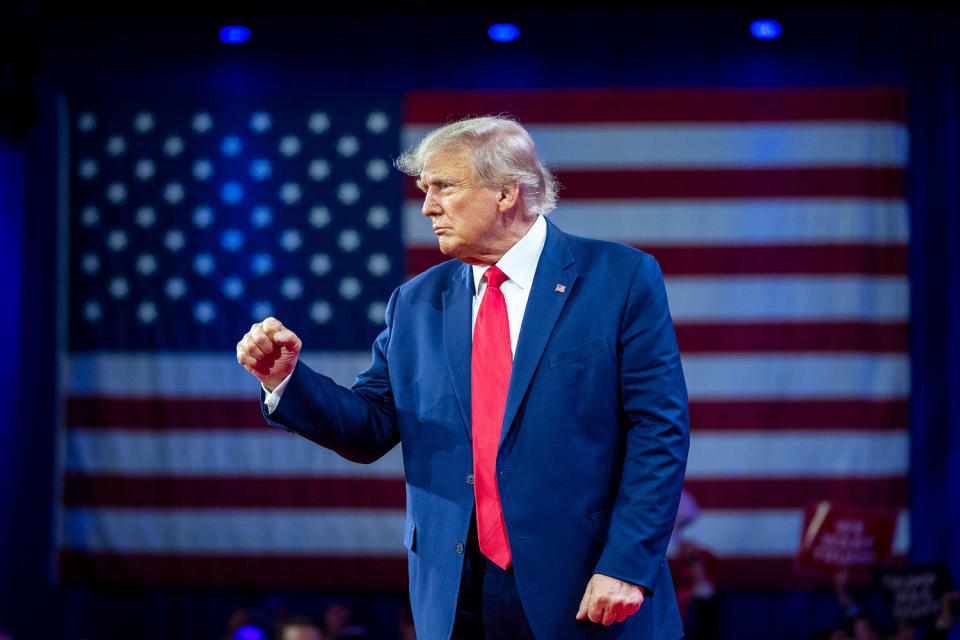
(552, 286)
(457, 338)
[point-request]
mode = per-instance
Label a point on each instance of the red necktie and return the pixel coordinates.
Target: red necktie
(490, 367)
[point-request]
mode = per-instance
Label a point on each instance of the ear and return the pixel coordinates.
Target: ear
(509, 197)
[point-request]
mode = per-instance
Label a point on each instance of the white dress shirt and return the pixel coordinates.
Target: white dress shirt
(519, 264)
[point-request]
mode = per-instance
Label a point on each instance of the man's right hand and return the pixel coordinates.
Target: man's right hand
(269, 351)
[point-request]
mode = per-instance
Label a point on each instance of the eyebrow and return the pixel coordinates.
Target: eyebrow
(435, 179)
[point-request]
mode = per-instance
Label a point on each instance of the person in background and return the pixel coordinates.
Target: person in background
(301, 628)
(405, 628)
(949, 616)
(693, 567)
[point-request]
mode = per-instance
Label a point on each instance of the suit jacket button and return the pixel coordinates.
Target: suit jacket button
(459, 547)
(469, 478)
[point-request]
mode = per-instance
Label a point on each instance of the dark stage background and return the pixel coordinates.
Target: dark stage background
(172, 53)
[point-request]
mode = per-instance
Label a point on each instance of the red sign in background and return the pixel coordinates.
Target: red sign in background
(837, 536)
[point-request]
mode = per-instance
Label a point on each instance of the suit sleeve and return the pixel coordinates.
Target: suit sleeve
(358, 423)
(654, 410)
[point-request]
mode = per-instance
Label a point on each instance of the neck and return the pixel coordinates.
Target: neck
(513, 230)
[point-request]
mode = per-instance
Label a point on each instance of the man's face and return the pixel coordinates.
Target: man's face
(465, 215)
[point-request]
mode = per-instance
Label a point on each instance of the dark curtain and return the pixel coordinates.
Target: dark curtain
(935, 297)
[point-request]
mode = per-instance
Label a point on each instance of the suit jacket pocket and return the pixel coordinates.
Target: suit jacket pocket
(410, 535)
(578, 353)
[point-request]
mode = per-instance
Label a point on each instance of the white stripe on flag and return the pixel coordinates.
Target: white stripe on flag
(666, 145)
(214, 453)
(225, 531)
(760, 375)
(803, 376)
(791, 454)
(347, 532)
(764, 533)
(768, 298)
(193, 375)
(722, 221)
(222, 453)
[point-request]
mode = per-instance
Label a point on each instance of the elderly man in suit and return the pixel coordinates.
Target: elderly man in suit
(535, 385)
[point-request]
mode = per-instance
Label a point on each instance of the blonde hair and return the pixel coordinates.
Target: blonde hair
(503, 154)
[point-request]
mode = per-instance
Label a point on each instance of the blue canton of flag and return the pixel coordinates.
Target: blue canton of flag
(189, 224)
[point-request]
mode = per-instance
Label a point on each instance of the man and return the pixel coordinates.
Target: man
(536, 387)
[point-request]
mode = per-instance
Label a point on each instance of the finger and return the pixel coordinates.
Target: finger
(278, 333)
(251, 348)
(596, 612)
(247, 360)
(271, 326)
(623, 615)
(632, 608)
(584, 602)
(610, 614)
(285, 337)
(259, 337)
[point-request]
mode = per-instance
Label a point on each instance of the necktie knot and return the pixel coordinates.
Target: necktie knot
(495, 277)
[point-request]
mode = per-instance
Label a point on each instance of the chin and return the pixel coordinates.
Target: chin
(449, 249)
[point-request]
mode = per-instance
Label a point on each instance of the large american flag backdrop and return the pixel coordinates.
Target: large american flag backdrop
(778, 217)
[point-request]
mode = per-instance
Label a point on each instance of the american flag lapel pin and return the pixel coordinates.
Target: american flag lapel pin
(561, 288)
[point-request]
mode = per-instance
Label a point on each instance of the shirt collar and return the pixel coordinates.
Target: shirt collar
(520, 262)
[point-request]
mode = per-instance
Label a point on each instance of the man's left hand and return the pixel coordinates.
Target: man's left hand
(608, 600)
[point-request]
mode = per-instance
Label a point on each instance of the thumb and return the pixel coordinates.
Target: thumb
(285, 337)
(582, 611)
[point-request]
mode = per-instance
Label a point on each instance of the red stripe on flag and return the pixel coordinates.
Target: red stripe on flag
(311, 492)
(661, 105)
(799, 415)
(853, 413)
(386, 573)
(236, 571)
(164, 413)
(419, 259)
(689, 184)
(253, 492)
(770, 573)
(793, 336)
(864, 259)
(790, 493)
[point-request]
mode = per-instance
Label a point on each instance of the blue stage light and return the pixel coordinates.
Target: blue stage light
(249, 632)
(234, 34)
(503, 32)
(765, 29)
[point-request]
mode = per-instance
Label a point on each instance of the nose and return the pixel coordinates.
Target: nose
(430, 206)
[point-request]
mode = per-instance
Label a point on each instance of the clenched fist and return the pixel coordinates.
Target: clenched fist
(269, 351)
(608, 600)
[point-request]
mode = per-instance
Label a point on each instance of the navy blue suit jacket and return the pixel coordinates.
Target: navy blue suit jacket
(594, 442)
